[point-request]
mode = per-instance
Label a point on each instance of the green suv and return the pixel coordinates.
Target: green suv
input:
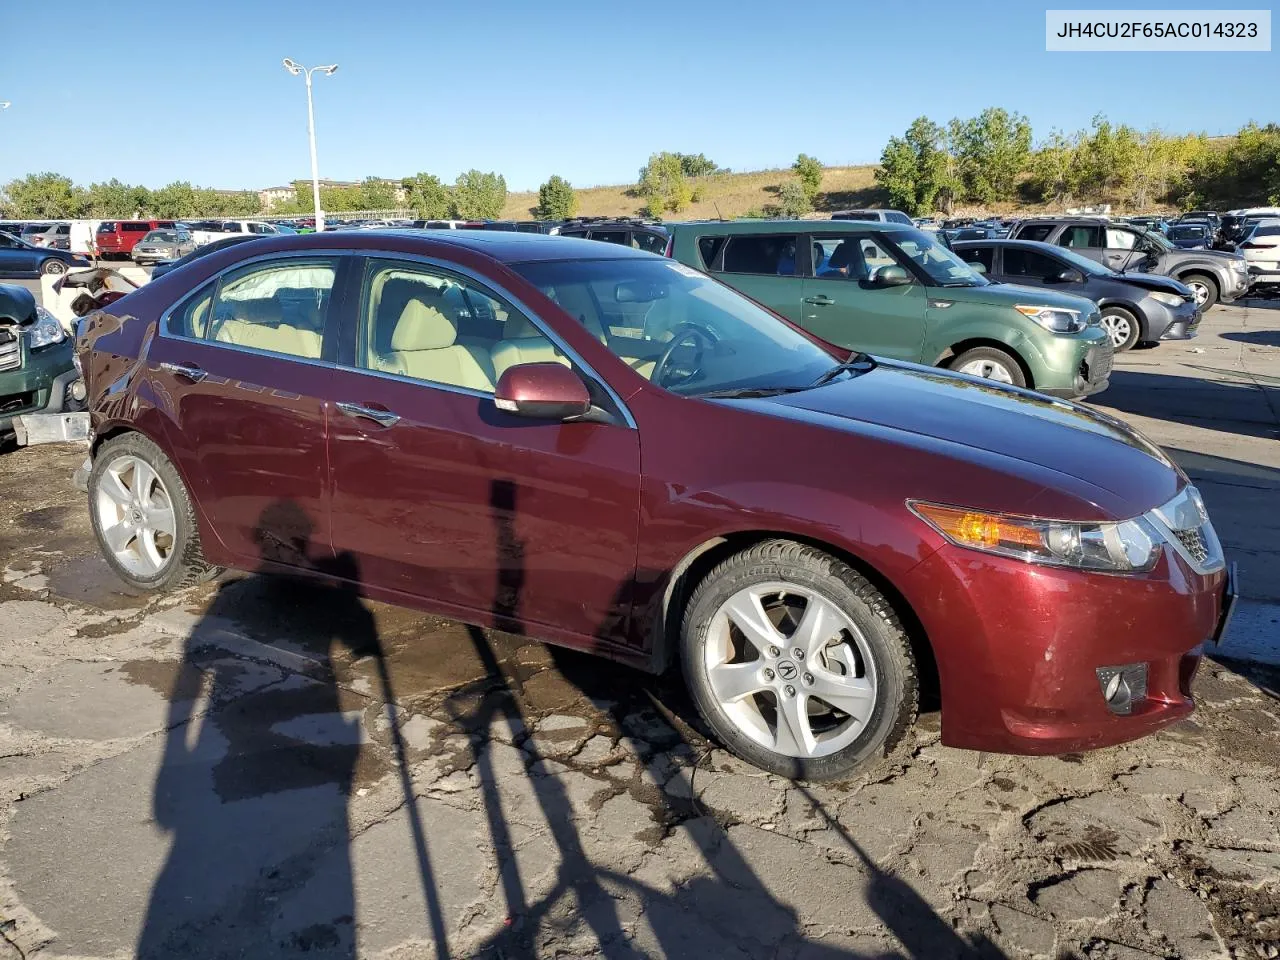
(37, 371)
(894, 291)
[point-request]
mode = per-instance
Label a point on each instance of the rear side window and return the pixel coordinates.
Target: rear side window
(1035, 231)
(708, 249)
(650, 242)
(135, 227)
(893, 216)
(982, 255)
(276, 307)
(772, 254)
(106, 228)
(610, 236)
(1081, 236)
(856, 216)
(1029, 263)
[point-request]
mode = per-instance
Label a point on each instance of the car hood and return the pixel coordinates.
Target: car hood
(1111, 465)
(1154, 281)
(1218, 255)
(1010, 294)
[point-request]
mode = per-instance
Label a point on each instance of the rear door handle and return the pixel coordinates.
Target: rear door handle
(821, 300)
(188, 370)
(358, 410)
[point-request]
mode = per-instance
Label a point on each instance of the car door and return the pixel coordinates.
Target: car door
(241, 369)
(16, 259)
(763, 266)
(1028, 267)
(843, 305)
(1124, 249)
(439, 495)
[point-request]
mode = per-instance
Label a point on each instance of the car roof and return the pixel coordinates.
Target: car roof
(790, 226)
(1000, 242)
(503, 246)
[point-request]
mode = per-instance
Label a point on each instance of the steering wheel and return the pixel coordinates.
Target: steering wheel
(686, 333)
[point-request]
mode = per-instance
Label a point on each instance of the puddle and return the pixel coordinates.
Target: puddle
(89, 580)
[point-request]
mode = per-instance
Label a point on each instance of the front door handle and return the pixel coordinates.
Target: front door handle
(188, 370)
(358, 410)
(821, 300)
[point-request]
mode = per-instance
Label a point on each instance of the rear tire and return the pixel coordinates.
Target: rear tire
(143, 517)
(788, 718)
(1205, 288)
(990, 363)
(1122, 327)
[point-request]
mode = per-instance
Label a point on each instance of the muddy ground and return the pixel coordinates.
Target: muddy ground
(261, 768)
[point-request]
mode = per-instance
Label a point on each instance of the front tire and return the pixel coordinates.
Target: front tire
(990, 363)
(52, 267)
(797, 663)
(1205, 288)
(143, 517)
(1122, 327)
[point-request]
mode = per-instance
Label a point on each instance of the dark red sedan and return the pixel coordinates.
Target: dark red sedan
(608, 450)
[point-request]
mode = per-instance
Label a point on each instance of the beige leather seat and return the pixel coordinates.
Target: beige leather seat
(257, 324)
(424, 346)
(522, 342)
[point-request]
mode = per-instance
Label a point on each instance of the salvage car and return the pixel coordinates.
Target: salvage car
(20, 260)
(1215, 276)
(808, 534)
(1135, 307)
(37, 373)
(896, 291)
(1261, 250)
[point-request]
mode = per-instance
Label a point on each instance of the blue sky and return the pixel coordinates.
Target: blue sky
(152, 92)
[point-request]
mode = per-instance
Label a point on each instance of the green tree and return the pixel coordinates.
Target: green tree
(809, 170)
(697, 165)
(429, 197)
(917, 169)
(377, 194)
(479, 196)
(1053, 168)
(115, 199)
(1245, 174)
(793, 200)
(556, 199)
(40, 196)
(175, 200)
(663, 185)
(991, 151)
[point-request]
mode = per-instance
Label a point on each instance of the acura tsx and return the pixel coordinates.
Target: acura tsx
(602, 448)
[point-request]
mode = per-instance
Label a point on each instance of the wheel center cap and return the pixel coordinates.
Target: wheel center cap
(137, 516)
(787, 670)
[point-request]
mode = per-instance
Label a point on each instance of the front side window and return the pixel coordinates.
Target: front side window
(772, 254)
(1120, 239)
(277, 306)
(855, 258)
(1020, 262)
(418, 321)
(688, 333)
(982, 255)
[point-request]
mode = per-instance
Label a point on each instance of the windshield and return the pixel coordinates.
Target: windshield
(712, 338)
(1159, 239)
(942, 266)
(1090, 268)
(160, 236)
(1186, 233)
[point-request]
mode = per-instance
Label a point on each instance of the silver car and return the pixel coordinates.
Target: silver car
(165, 244)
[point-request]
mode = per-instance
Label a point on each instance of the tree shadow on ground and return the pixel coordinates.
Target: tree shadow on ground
(1239, 405)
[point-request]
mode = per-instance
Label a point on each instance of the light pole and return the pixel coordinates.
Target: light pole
(295, 69)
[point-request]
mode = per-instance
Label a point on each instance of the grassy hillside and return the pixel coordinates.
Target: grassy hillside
(727, 195)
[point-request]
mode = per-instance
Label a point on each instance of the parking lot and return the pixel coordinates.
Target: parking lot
(259, 768)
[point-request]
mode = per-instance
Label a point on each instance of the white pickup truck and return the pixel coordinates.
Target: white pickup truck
(207, 231)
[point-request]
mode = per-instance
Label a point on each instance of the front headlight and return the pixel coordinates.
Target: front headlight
(1168, 299)
(45, 332)
(1129, 546)
(1056, 319)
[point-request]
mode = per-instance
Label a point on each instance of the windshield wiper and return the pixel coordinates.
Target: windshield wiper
(746, 393)
(858, 363)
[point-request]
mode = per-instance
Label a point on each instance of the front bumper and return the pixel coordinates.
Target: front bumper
(1171, 323)
(1019, 647)
(39, 386)
(1237, 287)
(1092, 372)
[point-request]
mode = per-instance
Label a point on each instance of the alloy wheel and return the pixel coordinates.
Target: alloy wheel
(989, 369)
(1201, 291)
(135, 516)
(790, 669)
(1119, 328)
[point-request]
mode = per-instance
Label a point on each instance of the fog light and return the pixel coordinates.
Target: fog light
(77, 390)
(1123, 686)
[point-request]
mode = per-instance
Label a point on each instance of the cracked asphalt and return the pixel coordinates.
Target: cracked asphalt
(268, 768)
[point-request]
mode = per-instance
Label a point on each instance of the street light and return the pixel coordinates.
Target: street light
(295, 69)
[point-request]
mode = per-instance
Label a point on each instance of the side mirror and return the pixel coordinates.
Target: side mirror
(542, 391)
(1069, 275)
(892, 276)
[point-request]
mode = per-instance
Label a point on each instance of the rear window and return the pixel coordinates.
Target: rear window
(1270, 231)
(1035, 231)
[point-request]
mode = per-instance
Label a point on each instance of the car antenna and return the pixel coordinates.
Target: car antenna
(719, 215)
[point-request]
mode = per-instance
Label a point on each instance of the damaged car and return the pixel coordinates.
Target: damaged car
(37, 369)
